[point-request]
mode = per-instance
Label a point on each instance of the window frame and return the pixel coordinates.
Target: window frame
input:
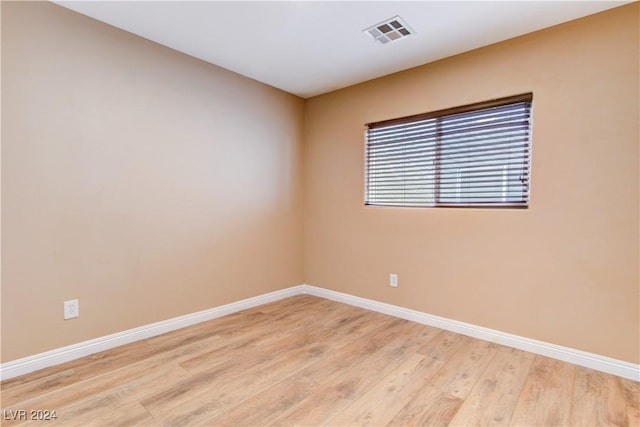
(484, 105)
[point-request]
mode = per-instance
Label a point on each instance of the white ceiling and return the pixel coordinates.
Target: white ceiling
(312, 47)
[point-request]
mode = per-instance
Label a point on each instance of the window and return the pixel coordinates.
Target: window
(472, 156)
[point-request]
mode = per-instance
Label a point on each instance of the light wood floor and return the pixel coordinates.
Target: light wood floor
(309, 361)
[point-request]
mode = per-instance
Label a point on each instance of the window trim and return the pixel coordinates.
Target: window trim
(497, 102)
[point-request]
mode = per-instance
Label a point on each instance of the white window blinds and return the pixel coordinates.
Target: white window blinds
(476, 156)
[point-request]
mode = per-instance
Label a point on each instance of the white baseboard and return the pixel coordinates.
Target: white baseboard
(566, 354)
(54, 357)
(75, 351)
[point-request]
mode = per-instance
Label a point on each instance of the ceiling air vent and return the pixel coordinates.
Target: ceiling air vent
(390, 30)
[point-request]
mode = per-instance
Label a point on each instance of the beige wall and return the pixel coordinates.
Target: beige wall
(146, 183)
(564, 271)
(149, 184)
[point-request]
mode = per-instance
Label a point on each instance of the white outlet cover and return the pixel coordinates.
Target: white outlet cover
(393, 280)
(71, 309)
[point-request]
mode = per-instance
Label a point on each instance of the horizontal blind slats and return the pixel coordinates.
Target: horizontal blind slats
(433, 134)
(502, 143)
(444, 168)
(473, 158)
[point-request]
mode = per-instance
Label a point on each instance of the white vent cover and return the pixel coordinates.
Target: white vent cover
(389, 30)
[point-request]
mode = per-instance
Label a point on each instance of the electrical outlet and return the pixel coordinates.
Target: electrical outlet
(71, 309)
(393, 280)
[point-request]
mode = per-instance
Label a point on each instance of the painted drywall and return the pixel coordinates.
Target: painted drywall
(139, 180)
(564, 271)
(149, 185)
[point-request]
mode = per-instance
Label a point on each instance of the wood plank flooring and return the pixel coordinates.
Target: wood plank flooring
(309, 361)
